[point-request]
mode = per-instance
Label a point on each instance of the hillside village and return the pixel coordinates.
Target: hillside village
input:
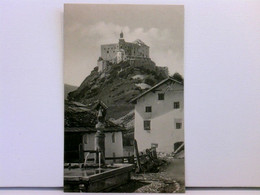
(140, 100)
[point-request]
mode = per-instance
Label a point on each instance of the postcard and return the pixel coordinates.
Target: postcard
(124, 98)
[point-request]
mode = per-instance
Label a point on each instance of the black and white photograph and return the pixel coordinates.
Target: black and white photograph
(93, 97)
(124, 98)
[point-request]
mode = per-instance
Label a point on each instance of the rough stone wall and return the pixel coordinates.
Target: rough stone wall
(135, 50)
(109, 51)
(102, 65)
(137, 54)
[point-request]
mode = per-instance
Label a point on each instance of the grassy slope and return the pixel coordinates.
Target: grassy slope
(115, 87)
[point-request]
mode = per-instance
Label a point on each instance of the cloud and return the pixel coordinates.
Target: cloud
(165, 48)
(162, 44)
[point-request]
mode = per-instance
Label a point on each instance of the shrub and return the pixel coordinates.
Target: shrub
(102, 80)
(122, 75)
(149, 81)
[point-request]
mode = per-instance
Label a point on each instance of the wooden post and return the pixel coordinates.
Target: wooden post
(137, 156)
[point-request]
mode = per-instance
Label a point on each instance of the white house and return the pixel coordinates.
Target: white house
(80, 134)
(113, 143)
(159, 117)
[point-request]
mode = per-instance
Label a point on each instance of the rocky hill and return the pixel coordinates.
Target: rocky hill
(126, 121)
(117, 85)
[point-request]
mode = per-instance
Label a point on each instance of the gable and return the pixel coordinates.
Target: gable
(163, 85)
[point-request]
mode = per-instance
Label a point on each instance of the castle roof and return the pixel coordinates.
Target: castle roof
(139, 42)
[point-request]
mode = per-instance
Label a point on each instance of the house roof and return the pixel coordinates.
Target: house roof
(154, 87)
(88, 130)
(79, 116)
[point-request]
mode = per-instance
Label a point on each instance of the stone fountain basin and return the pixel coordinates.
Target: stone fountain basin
(97, 179)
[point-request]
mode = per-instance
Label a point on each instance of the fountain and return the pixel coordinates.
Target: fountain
(97, 177)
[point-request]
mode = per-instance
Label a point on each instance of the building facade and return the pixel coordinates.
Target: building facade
(122, 51)
(159, 117)
(113, 143)
(78, 140)
(80, 134)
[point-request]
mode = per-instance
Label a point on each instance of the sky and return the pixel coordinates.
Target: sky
(87, 26)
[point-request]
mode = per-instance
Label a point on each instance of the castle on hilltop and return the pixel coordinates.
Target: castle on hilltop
(123, 51)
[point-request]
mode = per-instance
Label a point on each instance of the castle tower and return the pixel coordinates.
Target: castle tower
(121, 35)
(121, 41)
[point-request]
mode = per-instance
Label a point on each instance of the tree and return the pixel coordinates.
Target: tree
(178, 77)
(149, 81)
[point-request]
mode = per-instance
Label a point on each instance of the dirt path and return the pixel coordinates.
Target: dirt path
(169, 179)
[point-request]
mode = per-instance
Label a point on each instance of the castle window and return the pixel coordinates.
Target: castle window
(147, 125)
(148, 109)
(107, 51)
(176, 105)
(160, 96)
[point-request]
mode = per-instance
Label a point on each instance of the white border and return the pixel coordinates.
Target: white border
(222, 92)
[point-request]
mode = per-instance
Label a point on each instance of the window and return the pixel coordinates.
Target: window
(160, 96)
(177, 145)
(178, 125)
(147, 125)
(176, 105)
(148, 109)
(107, 51)
(113, 138)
